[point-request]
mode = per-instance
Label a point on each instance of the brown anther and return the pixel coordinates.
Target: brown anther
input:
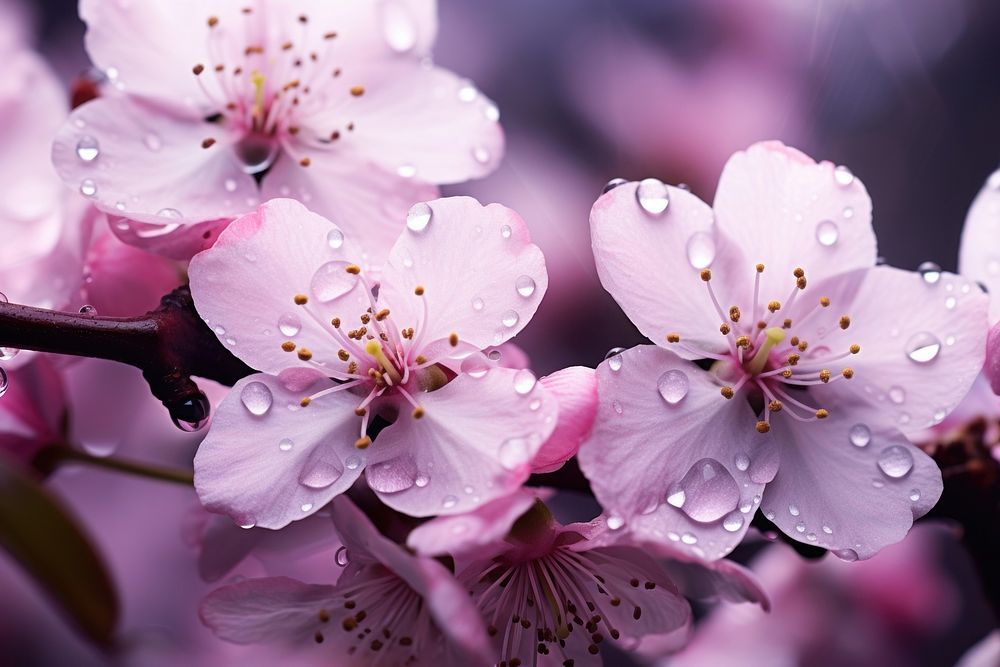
(419, 290)
(803, 346)
(335, 322)
(287, 46)
(845, 321)
(334, 135)
(300, 299)
(734, 313)
(366, 318)
(418, 412)
(774, 406)
(774, 306)
(344, 355)
(305, 162)
(305, 401)
(822, 413)
(324, 616)
(801, 283)
(743, 341)
(787, 324)
(727, 392)
(250, 50)
(363, 442)
(352, 367)
(761, 324)
(303, 18)
(453, 339)
(288, 346)
(855, 348)
(349, 623)
(350, 126)
(305, 354)
(213, 21)
(293, 130)
(357, 91)
(220, 68)
(724, 328)
(420, 359)
(318, 637)
(198, 69)
(353, 269)
(793, 341)
(787, 373)
(706, 274)
(382, 314)
(361, 412)
(760, 268)
(848, 373)
(798, 272)
(824, 375)
(763, 427)
(824, 301)
(793, 359)
(330, 35)
(673, 337)
(376, 645)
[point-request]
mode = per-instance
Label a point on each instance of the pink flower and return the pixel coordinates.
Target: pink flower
(215, 107)
(824, 362)
(32, 410)
(284, 289)
(387, 607)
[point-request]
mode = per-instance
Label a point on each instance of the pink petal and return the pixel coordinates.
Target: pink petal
(467, 533)
(124, 280)
(32, 410)
(645, 262)
(270, 256)
(482, 276)
(576, 390)
(268, 466)
(992, 367)
(474, 443)
(979, 254)
(851, 482)
(259, 611)
(718, 580)
(922, 344)
(650, 452)
(786, 211)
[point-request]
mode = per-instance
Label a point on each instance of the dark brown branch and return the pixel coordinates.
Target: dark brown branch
(169, 345)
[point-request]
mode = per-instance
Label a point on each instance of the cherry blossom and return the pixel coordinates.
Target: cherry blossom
(339, 352)
(213, 107)
(33, 410)
(820, 363)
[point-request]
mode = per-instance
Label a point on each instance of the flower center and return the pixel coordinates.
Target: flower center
(767, 358)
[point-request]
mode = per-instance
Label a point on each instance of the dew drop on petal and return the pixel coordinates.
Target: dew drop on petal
(673, 386)
(153, 142)
(286, 444)
(392, 476)
(914, 495)
(320, 474)
(895, 461)
(827, 232)
(614, 358)
(859, 435)
(930, 272)
(88, 188)
(448, 502)
(514, 453)
(732, 522)
(352, 462)
(247, 526)
(524, 381)
(3, 382)
(481, 155)
(689, 538)
(505, 231)
(289, 325)
(230, 185)
(510, 318)
(342, 557)
(477, 304)
(652, 196)
(406, 170)
(612, 184)
(257, 398)
(701, 250)
(793, 510)
(676, 496)
(419, 217)
(171, 213)
(335, 239)
(332, 281)
(742, 462)
(615, 522)
(897, 394)
(710, 491)
(525, 286)
(87, 149)
(848, 555)
(923, 347)
(398, 27)
(87, 309)
(843, 176)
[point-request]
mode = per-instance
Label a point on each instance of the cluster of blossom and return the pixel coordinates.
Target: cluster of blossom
(286, 156)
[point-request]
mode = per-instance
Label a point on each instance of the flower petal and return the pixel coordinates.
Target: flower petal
(650, 262)
(271, 465)
(979, 254)
(851, 482)
(684, 445)
(786, 211)
(576, 390)
(124, 280)
(482, 276)
(718, 580)
(270, 256)
(474, 443)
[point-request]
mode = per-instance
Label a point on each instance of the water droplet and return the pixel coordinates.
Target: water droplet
(701, 250)
(525, 286)
(828, 530)
(676, 496)
(320, 473)
(847, 555)
(689, 538)
(491, 112)
(467, 91)
(843, 176)
(652, 196)
(153, 142)
(477, 304)
(848, 212)
(505, 231)
(335, 239)
(481, 155)
(950, 303)
(286, 445)
(448, 502)
(615, 522)
(793, 510)
(616, 406)
(352, 462)
(3, 382)
(393, 476)
(811, 537)
(8, 353)
(419, 217)
(510, 319)
(742, 462)
(895, 461)
(800, 527)
(257, 398)
(514, 453)
(171, 213)
(827, 232)
(897, 394)
(710, 492)
(494, 355)
(332, 280)
(914, 495)
(406, 170)
(398, 27)
(930, 272)
(923, 347)
(476, 366)
(342, 557)
(193, 414)
(614, 358)
(87, 309)
(87, 149)
(524, 381)
(247, 526)
(230, 185)
(859, 435)
(673, 386)
(88, 188)
(612, 184)
(256, 153)
(733, 522)
(289, 324)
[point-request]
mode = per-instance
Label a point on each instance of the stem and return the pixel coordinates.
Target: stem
(54, 456)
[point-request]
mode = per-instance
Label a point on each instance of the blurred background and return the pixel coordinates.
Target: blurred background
(904, 92)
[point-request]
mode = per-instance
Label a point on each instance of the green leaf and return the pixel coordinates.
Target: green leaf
(54, 551)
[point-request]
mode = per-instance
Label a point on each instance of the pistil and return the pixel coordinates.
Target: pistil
(772, 336)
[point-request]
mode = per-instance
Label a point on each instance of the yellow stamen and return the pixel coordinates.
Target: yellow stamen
(772, 336)
(373, 348)
(258, 79)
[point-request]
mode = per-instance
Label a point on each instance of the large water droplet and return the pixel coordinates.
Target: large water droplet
(742, 461)
(393, 476)
(193, 414)
(342, 557)
(286, 444)
(673, 386)
(895, 461)
(652, 196)
(827, 232)
(923, 347)
(848, 555)
(614, 358)
(257, 398)
(710, 491)
(514, 453)
(352, 462)
(615, 522)
(335, 238)
(87, 149)
(398, 27)
(930, 272)
(510, 318)
(289, 325)
(256, 153)
(859, 435)
(701, 250)
(733, 522)
(524, 381)
(419, 217)
(332, 280)
(525, 286)
(320, 473)
(843, 176)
